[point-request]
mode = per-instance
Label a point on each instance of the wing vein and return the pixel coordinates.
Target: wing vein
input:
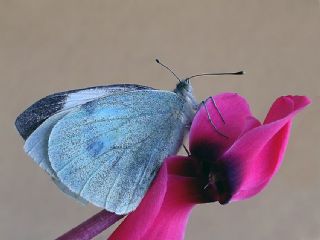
(144, 170)
(96, 171)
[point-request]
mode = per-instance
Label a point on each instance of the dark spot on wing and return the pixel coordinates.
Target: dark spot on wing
(90, 107)
(95, 148)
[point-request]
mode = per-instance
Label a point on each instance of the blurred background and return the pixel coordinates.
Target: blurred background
(50, 46)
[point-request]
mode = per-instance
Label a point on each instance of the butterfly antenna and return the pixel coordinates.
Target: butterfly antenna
(210, 74)
(157, 60)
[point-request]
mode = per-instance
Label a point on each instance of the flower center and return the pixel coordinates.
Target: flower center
(214, 178)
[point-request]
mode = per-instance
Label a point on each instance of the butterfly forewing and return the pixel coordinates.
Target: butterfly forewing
(46, 107)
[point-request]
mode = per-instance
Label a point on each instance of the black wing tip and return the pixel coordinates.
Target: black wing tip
(35, 114)
(20, 125)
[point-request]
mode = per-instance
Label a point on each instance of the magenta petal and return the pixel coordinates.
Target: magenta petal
(182, 195)
(283, 106)
(207, 143)
(164, 211)
(250, 123)
(256, 156)
(270, 159)
(181, 166)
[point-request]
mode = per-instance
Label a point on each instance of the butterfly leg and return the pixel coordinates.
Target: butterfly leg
(186, 149)
(210, 120)
(216, 107)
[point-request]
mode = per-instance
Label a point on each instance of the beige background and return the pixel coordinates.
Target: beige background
(50, 46)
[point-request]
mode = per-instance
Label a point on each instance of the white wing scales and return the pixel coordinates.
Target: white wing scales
(110, 149)
(36, 122)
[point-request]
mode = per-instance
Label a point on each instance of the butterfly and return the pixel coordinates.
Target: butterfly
(105, 144)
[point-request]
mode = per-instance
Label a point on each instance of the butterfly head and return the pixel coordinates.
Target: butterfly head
(184, 89)
(184, 86)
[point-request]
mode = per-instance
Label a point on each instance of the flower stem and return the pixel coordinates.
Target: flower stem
(91, 227)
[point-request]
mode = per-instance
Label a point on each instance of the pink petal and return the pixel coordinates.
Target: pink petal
(250, 123)
(254, 158)
(283, 106)
(181, 166)
(172, 219)
(270, 159)
(205, 141)
(164, 211)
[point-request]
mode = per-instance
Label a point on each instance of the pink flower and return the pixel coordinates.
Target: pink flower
(219, 168)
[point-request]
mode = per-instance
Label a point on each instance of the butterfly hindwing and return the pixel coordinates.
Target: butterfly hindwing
(108, 150)
(46, 107)
(36, 146)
